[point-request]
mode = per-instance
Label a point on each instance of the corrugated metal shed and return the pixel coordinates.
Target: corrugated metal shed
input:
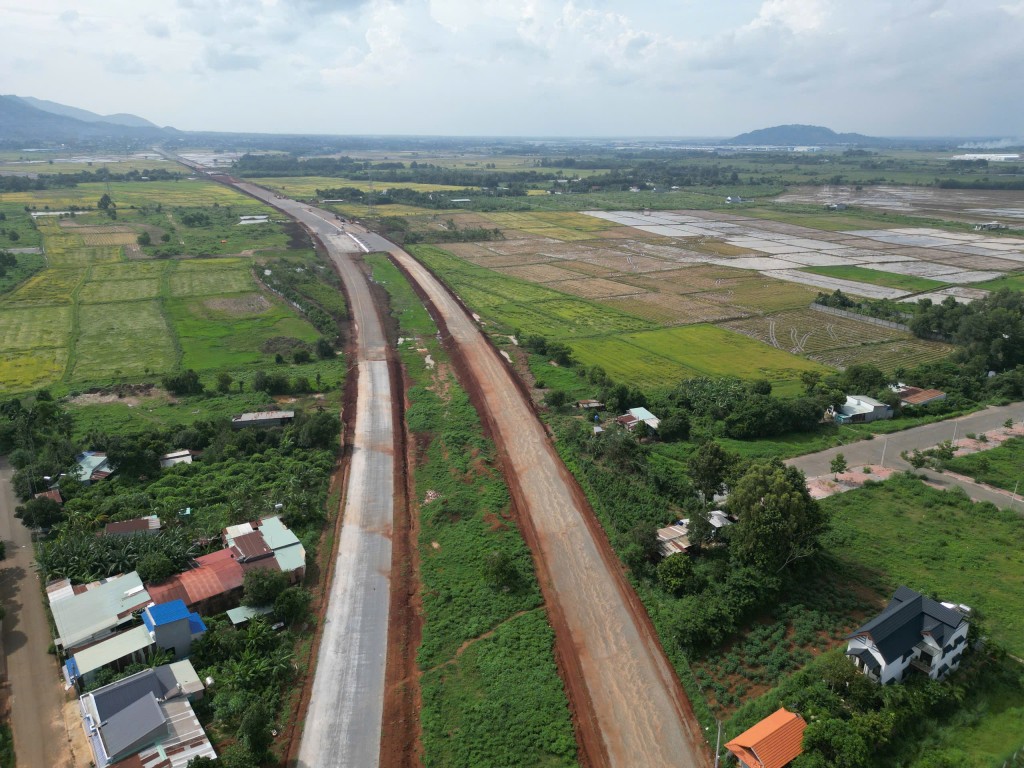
(110, 650)
(96, 611)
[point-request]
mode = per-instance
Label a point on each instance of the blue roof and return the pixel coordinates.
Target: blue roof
(165, 613)
(72, 668)
(195, 624)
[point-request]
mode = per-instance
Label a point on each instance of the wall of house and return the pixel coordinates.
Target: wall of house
(956, 646)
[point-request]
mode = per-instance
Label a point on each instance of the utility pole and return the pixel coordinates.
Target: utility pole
(718, 741)
(884, 446)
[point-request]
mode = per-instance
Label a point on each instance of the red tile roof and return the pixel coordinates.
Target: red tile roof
(53, 494)
(772, 743)
(218, 573)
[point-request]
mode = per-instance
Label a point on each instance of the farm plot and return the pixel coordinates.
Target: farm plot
(24, 370)
(104, 292)
(659, 358)
(51, 286)
(839, 341)
(671, 309)
(209, 277)
(108, 238)
(129, 271)
(34, 328)
(229, 331)
(594, 288)
(537, 273)
(564, 318)
(128, 341)
(877, 277)
(689, 279)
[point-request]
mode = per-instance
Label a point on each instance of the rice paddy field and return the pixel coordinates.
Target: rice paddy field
(102, 310)
(306, 186)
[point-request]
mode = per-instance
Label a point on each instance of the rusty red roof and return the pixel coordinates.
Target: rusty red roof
(251, 546)
(773, 743)
(216, 574)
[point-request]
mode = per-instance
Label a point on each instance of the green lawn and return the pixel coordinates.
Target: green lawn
(938, 543)
(1014, 282)
(877, 277)
(1002, 467)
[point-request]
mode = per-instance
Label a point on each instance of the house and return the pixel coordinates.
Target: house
(172, 627)
(215, 581)
(53, 495)
(913, 631)
(117, 651)
(84, 614)
(183, 456)
(587, 404)
(93, 466)
(675, 538)
(860, 409)
(243, 613)
(147, 524)
(774, 742)
(634, 416)
(147, 716)
(910, 396)
(262, 419)
(267, 543)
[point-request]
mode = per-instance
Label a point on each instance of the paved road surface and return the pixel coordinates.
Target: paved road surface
(928, 436)
(343, 722)
(40, 740)
(632, 710)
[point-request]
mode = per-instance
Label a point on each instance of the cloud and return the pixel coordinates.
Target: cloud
(124, 64)
(229, 59)
(157, 28)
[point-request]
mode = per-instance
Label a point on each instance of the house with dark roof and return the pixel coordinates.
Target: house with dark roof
(913, 632)
(148, 714)
(147, 524)
(774, 742)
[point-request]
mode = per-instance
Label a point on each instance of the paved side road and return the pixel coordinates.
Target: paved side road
(921, 438)
(40, 740)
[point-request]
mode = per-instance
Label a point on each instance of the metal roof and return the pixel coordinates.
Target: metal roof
(276, 533)
(102, 607)
(773, 743)
(243, 613)
(251, 546)
(113, 648)
(164, 613)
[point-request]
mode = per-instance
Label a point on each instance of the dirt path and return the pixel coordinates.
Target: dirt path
(33, 679)
(630, 710)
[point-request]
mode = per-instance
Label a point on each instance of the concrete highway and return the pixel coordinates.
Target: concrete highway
(343, 722)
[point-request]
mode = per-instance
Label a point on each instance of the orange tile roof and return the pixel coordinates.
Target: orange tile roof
(773, 743)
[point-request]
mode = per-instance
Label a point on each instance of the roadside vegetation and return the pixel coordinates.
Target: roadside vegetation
(491, 692)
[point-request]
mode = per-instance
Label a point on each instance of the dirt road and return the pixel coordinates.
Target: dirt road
(33, 679)
(629, 706)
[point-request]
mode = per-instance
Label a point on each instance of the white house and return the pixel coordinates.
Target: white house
(913, 631)
(860, 409)
(634, 416)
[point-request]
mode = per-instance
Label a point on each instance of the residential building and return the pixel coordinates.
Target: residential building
(147, 524)
(860, 409)
(262, 419)
(674, 539)
(267, 543)
(183, 456)
(588, 404)
(774, 742)
(911, 396)
(149, 716)
(913, 631)
(86, 613)
(634, 416)
(53, 495)
(172, 627)
(93, 466)
(117, 652)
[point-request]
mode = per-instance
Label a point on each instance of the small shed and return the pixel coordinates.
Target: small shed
(148, 524)
(774, 742)
(262, 419)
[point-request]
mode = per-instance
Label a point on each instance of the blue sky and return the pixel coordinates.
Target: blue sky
(527, 67)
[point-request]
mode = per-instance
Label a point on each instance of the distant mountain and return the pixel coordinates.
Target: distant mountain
(802, 136)
(22, 122)
(132, 121)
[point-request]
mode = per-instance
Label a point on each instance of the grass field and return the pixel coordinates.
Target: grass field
(130, 341)
(28, 264)
(209, 277)
(126, 194)
(306, 186)
(1014, 282)
(1002, 466)
(876, 277)
(936, 543)
(654, 358)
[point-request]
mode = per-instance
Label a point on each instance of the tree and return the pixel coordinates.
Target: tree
(700, 531)
(254, 730)
(39, 513)
(292, 605)
(556, 398)
(709, 466)
(144, 239)
(185, 383)
(155, 566)
(105, 202)
(838, 465)
(301, 355)
(318, 430)
(224, 381)
(202, 762)
(839, 742)
(779, 522)
(324, 350)
(676, 575)
(262, 586)
(674, 427)
(500, 571)
(1008, 424)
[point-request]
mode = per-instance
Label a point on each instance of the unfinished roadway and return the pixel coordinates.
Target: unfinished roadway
(628, 705)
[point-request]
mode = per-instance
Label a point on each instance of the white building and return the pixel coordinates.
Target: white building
(913, 631)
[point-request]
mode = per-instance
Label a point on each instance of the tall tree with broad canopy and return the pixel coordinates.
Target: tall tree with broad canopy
(779, 522)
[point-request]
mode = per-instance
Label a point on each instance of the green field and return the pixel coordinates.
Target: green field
(1002, 466)
(877, 277)
(1014, 282)
(653, 358)
(306, 186)
(210, 277)
(131, 340)
(938, 543)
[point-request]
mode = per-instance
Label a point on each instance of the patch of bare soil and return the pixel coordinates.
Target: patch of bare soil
(250, 304)
(129, 394)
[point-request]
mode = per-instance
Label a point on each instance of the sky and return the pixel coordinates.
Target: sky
(684, 68)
